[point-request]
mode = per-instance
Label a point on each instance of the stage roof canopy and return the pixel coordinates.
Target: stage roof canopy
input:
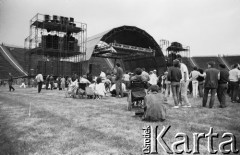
(127, 41)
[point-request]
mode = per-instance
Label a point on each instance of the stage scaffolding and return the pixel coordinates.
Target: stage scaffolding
(174, 50)
(56, 45)
(122, 52)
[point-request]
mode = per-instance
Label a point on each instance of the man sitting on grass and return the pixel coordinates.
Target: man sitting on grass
(113, 90)
(154, 109)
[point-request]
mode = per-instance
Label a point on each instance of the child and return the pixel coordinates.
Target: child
(72, 88)
(100, 90)
(90, 90)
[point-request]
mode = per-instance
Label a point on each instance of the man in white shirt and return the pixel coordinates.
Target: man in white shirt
(153, 78)
(39, 79)
(184, 84)
(234, 76)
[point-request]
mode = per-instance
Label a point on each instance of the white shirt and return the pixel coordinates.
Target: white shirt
(184, 69)
(92, 85)
(234, 75)
(63, 80)
(153, 79)
(194, 75)
(100, 89)
(74, 83)
(106, 81)
(126, 77)
(83, 80)
(114, 87)
(145, 75)
(102, 75)
(39, 78)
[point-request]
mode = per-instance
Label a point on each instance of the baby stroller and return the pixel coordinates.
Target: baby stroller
(136, 95)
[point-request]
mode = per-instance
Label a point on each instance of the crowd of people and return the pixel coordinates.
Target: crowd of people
(176, 82)
(214, 81)
(22, 82)
(117, 83)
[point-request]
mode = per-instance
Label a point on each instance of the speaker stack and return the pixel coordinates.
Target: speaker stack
(55, 19)
(46, 18)
(71, 22)
(66, 21)
(61, 19)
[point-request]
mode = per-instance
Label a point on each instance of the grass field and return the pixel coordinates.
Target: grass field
(60, 125)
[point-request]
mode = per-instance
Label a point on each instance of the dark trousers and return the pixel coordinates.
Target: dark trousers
(205, 97)
(11, 87)
(119, 88)
(39, 87)
(234, 90)
(200, 88)
(229, 89)
(190, 87)
(221, 94)
(47, 85)
(51, 83)
(59, 86)
(176, 92)
(127, 83)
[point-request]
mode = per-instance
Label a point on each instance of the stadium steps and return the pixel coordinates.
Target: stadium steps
(10, 62)
(193, 63)
(188, 63)
(6, 67)
(109, 62)
(201, 62)
(223, 62)
(230, 60)
(18, 55)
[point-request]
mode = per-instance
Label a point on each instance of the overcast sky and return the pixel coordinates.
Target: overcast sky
(209, 27)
